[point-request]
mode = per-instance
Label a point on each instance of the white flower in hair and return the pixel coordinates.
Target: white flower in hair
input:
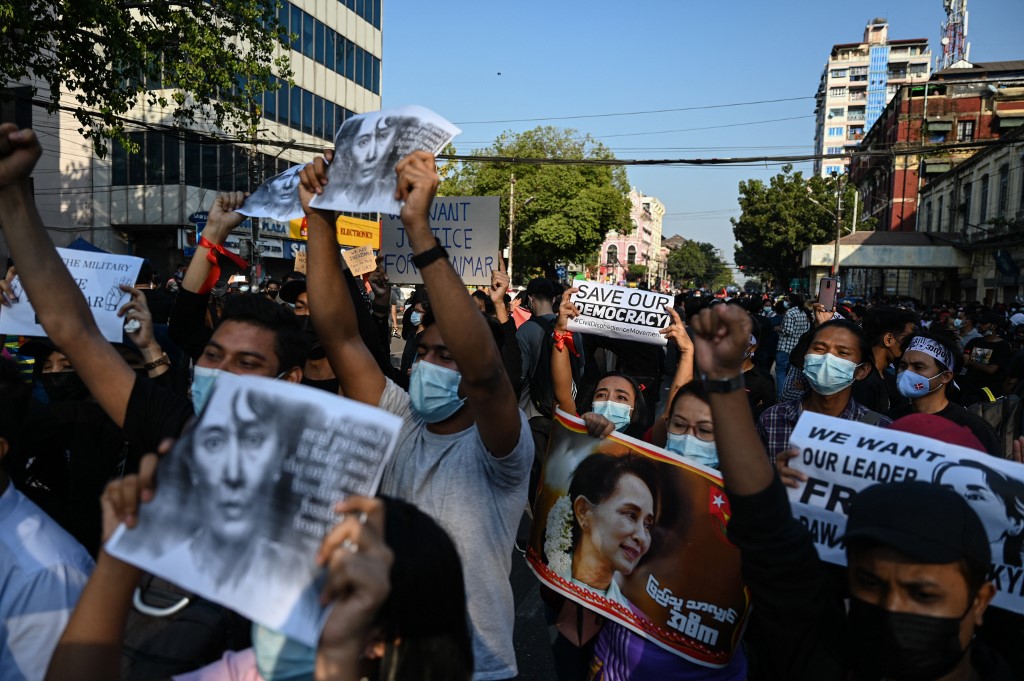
(558, 537)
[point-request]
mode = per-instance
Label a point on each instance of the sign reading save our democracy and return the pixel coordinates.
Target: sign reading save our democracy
(98, 275)
(466, 226)
(841, 458)
(620, 312)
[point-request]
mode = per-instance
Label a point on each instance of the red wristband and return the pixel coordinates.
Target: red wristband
(211, 257)
(563, 340)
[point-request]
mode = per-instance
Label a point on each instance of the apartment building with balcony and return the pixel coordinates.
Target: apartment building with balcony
(858, 81)
(642, 246)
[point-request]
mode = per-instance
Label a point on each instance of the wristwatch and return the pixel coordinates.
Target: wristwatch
(723, 385)
(421, 260)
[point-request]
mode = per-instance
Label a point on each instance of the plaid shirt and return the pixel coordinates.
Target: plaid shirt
(777, 423)
(794, 324)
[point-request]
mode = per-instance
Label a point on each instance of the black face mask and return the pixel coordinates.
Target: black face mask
(64, 386)
(328, 384)
(901, 646)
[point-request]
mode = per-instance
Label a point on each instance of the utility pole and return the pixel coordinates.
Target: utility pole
(839, 225)
(511, 220)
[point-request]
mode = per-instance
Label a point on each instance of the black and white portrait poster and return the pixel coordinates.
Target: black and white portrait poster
(842, 457)
(248, 493)
(366, 150)
(277, 198)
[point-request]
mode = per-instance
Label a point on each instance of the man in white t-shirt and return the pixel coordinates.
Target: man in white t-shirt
(465, 448)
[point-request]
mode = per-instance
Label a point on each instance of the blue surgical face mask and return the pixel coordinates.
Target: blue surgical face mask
(957, 323)
(618, 413)
(829, 374)
(691, 447)
(279, 658)
(434, 391)
(203, 380)
(913, 385)
(415, 318)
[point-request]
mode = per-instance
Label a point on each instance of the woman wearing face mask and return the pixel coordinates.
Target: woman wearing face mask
(838, 355)
(617, 404)
(929, 364)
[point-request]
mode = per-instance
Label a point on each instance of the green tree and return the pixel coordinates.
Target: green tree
(779, 220)
(205, 62)
(687, 264)
(563, 211)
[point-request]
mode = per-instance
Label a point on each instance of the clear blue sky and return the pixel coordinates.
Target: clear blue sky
(576, 58)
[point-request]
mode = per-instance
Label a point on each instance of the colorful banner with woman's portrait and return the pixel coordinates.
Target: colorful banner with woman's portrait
(638, 535)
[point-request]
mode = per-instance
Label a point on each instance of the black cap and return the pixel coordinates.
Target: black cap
(543, 287)
(39, 348)
(291, 290)
(925, 522)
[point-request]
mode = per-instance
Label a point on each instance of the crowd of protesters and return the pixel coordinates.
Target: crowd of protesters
(418, 577)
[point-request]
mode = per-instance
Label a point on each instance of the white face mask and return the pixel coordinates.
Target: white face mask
(691, 447)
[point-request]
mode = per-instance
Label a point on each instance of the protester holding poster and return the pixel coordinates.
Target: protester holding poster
(465, 447)
(620, 312)
(918, 554)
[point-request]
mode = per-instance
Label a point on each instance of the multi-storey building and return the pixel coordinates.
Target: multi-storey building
(642, 246)
(858, 81)
(927, 130)
(141, 203)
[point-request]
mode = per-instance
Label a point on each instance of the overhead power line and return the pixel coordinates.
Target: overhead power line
(635, 113)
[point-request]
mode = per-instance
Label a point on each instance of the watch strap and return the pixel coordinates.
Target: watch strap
(421, 260)
(723, 385)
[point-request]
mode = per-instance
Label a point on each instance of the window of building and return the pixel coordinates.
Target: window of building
(940, 214)
(983, 200)
(855, 113)
(967, 203)
(918, 69)
(891, 89)
(613, 255)
(965, 131)
(838, 73)
(836, 132)
(1003, 198)
(834, 169)
(837, 92)
(928, 216)
(834, 150)
(631, 255)
(837, 112)
(855, 132)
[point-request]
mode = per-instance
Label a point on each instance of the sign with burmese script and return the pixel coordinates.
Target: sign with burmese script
(660, 563)
(841, 458)
(620, 312)
(466, 227)
(99, 276)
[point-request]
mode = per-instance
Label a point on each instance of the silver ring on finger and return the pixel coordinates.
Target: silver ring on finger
(350, 546)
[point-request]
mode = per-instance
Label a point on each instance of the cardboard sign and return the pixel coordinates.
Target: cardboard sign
(841, 458)
(251, 545)
(300, 261)
(466, 226)
(360, 260)
(620, 312)
(351, 231)
(98, 275)
(676, 580)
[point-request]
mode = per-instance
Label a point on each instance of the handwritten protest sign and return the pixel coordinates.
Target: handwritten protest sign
(98, 275)
(675, 578)
(361, 178)
(300, 261)
(620, 312)
(360, 260)
(248, 494)
(467, 227)
(842, 457)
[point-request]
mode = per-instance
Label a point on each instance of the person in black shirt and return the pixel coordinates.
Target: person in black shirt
(760, 386)
(927, 369)
(918, 558)
(986, 359)
(886, 328)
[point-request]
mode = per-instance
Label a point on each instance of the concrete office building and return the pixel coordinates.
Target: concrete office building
(858, 81)
(141, 203)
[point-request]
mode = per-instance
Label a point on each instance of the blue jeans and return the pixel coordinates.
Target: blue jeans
(781, 369)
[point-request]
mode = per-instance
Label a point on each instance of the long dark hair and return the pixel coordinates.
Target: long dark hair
(596, 477)
(638, 417)
(423, 621)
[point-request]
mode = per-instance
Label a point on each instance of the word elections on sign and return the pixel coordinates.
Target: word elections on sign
(450, 237)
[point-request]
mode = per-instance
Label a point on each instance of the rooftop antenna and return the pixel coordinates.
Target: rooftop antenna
(955, 47)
